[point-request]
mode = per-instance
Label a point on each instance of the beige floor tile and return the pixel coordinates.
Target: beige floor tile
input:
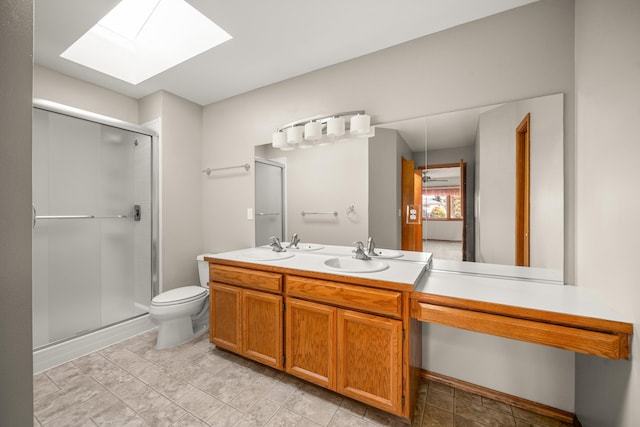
(465, 395)
(436, 417)
(441, 400)
(259, 414)
(313, 403)
(381, 418)
(225, 417)
(347, 419)
(200, 404)
(536, 419)
(441, 388)
(483, 415)
(118, 415)
(188, 420)
(163, 416)
(42, 386)
(498, 406)
(284, 418)
(459, 421)
(80, 414)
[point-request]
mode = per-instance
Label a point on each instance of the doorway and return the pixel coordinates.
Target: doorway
(269, 213)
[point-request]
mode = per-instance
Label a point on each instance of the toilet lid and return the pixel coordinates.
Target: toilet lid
(179, 295)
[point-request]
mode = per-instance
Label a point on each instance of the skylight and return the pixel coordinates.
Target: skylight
(141, 38)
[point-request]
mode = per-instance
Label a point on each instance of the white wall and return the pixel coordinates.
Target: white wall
(607, 204)
(16, 41)
(323, 179)
(495, 186)
(480, 63)
(443, 230)
(386, 149)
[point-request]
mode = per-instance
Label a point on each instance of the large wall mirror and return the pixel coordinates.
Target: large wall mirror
(487, 187)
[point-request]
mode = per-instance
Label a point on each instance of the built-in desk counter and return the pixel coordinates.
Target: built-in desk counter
(557, 315)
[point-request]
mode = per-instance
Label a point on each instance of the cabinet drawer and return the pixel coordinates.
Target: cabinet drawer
(260, 280)
(388, 303)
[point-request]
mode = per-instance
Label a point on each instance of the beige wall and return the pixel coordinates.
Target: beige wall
(181, 178)
(16, 41)
(56, 87)
(607, 44)
(523, 53)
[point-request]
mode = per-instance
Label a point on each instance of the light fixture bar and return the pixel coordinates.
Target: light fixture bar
(321, 119)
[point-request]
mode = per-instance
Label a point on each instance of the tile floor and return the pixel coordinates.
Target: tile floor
(132, 384)
(443, 250)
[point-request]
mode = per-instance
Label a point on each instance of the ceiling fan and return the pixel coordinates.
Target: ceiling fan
(427, 178)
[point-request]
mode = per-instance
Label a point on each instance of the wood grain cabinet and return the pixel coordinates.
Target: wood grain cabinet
(246, 321)
(339, 333)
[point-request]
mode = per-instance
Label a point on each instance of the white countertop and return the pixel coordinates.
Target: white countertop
(557, 298)
(406, 271)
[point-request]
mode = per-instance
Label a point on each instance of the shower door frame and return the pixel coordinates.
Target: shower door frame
(77, 113)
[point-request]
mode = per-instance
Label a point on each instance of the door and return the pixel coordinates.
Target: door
(226, 324)
(522, 192)
(269, 213)
(370, 359)
(262, 324)
(411, 214)
(311, 342)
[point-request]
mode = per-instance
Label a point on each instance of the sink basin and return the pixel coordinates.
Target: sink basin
(264, 255)
(386, 253)
(352, 265)
(304, 246)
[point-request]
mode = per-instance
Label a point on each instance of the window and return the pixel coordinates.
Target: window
(442, 203)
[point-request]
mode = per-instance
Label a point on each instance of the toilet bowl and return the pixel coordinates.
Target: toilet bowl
(182, 314)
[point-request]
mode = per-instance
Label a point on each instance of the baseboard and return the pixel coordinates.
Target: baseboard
(538, 408)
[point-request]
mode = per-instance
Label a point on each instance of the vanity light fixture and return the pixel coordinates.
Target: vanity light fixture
(322, 130)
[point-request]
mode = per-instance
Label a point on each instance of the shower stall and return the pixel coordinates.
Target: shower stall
(95, 227)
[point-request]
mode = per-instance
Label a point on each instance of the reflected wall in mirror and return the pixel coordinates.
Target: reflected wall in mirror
(361, 181)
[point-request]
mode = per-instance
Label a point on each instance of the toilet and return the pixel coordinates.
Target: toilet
(182, 313)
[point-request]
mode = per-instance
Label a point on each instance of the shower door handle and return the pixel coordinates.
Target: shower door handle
(137, 213)
(33, 215)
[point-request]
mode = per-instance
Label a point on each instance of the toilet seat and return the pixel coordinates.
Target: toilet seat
(181, 295)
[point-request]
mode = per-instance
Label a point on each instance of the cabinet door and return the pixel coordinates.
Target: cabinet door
(370, 359)
(226, 324)
(311, 342)
(262, 322)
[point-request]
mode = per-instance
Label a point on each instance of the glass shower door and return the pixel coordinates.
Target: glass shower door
(92, 228)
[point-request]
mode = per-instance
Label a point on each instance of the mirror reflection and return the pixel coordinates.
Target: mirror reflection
(480, 185)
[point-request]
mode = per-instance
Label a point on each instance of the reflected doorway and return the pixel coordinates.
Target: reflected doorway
(444, 198)
(269, 215)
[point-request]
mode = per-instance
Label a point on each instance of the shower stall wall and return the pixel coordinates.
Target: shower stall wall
(94, 227)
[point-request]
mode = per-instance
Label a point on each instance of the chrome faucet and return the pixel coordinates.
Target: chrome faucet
(294, 241)
(371, 247)
(275, 244)
(359, 252)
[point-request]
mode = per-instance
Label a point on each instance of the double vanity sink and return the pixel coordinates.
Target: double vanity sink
(319, 314)
(340, 264)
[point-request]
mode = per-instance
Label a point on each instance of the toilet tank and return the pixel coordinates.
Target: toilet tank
(203, 269)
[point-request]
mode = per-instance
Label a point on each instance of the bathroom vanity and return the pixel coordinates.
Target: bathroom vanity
(359, 333)
(348, 332)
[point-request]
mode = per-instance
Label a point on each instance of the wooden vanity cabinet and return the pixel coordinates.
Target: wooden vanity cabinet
(347, 336)
(245, 320)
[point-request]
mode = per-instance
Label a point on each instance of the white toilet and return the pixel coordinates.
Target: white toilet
(182, 313)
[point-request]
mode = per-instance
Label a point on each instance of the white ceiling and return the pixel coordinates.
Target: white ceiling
(272, 40)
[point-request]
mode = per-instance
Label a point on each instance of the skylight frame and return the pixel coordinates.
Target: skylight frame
(163, 34)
